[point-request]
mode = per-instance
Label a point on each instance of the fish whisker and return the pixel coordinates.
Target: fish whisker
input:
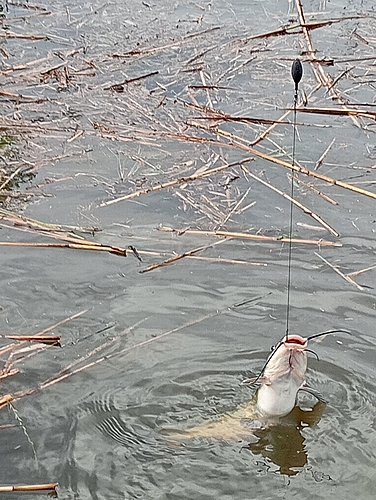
(328, 333)
(313, 352)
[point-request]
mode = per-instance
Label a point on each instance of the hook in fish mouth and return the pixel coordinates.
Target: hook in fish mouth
(288, 341)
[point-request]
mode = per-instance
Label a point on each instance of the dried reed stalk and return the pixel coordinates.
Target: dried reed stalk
(4, 373)
(29, 487)
(5, 400)
(220, 260)
(247, 236)
(361, 271)
(318, 69)
(43, 333)
(305, 209)
(208, 259)
(73, 241)
(317, 191)
(72, 246)
(339, 112)
(171, 260)
(175, 182)
(53, 340)
(285, 164)
(70, 370)
(344, 276)
(294, 29)
(266, 132)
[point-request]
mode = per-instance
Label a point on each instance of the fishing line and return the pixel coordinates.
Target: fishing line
(296, 73)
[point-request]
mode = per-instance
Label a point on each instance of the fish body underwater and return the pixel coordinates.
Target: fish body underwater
(280, 380)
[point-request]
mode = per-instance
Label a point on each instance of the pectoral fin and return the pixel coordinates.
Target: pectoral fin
(313, 392)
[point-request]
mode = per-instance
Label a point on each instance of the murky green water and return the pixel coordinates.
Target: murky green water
(98, 432)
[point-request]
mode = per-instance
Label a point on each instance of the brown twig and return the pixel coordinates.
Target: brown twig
(323, 156)
(10, 34)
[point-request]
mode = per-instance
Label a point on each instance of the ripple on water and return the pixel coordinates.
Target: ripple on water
(118, 445)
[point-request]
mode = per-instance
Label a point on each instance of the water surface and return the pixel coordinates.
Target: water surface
(98, 432)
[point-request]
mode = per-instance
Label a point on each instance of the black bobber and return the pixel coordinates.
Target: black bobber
(296, 72)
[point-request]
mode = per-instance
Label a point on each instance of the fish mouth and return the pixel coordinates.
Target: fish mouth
(294, 344)
(295, 340)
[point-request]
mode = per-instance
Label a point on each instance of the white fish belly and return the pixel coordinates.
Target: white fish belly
(278, 398)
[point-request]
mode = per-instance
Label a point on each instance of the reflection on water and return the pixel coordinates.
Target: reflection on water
(116, 443)
(280, 441)
(283, 443)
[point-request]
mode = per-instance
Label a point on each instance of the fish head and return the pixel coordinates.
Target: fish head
(289, 357)
(283, 376)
